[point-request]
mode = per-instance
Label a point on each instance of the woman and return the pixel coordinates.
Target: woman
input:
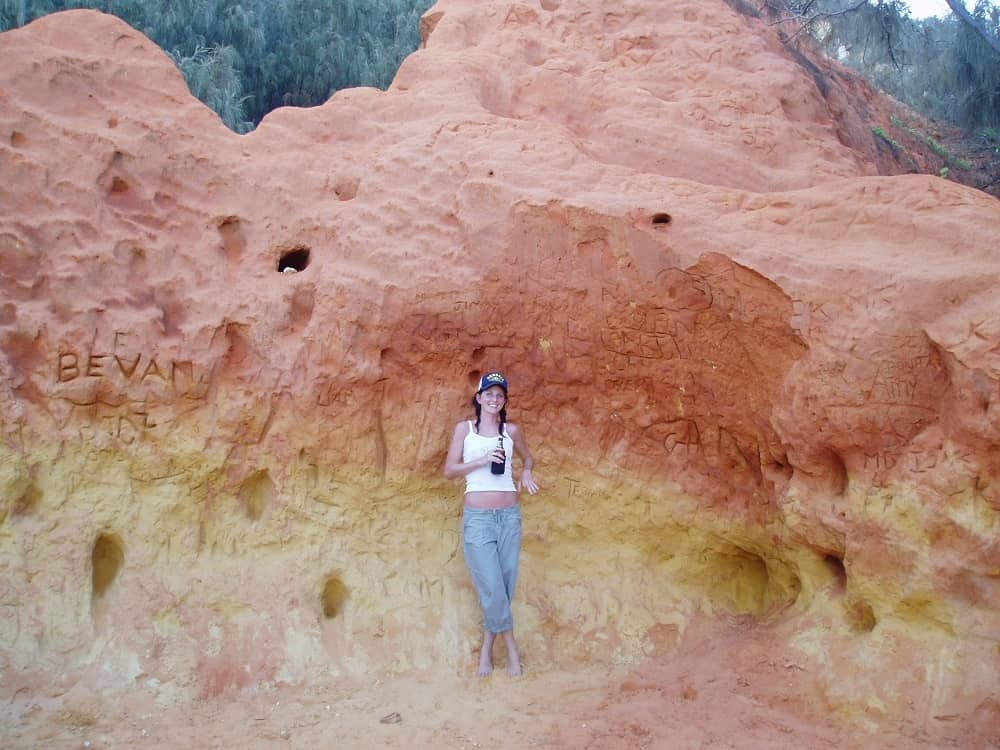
(491, 522)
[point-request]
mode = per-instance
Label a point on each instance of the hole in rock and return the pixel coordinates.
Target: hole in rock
(660, 219)
(28, 501)
(106, 560)
(256, 493)
(473, 378)
(294, 260)
(334, 596)
(18, 139)
(118, 186)
(861, 616)
(346, 189)
(478, 353)
(740, 581)
(836, 567)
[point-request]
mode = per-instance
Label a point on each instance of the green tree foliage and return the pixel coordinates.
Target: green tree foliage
(941, 67)
(974, 73)
(244, 58)
(212, 75)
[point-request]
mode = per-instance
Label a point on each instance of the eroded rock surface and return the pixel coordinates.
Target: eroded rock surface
(759, 379)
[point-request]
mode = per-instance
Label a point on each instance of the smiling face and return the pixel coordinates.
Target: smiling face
(492, 399)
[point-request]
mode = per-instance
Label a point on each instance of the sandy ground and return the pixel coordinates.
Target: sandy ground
(724, 692)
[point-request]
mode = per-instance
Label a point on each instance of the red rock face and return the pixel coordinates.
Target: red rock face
(758, 378)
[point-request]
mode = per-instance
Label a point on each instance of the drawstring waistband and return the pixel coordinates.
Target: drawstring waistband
(496, 513)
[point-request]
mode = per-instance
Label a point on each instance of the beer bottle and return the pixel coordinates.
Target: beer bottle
(497, 467)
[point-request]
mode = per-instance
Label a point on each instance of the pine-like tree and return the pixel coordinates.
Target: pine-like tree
(243, 58)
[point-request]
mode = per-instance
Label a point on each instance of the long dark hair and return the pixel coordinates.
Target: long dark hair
(479, 411)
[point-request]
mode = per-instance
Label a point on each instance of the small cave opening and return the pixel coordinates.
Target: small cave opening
(836, 567)
(740, 580)
(256, 493)
(861, 616)
(333, 597)
(107, 559)
(294, 260)
(660, 219)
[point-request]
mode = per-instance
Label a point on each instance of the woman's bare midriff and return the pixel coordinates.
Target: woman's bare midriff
(490, 500)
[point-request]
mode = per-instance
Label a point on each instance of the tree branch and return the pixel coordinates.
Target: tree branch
(805, 20)
(958, 8)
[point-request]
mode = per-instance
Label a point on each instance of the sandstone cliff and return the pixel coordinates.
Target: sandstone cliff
(759, 379)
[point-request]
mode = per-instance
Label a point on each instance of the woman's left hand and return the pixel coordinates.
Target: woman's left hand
(528, 482)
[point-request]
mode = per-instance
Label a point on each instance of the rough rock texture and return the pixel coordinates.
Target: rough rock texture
(760, 380)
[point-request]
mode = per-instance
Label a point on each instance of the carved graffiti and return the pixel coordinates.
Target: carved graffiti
(126, 422)
(112, 390)
(130, 369)
(678, 434)
(652, 332)
(579, 489)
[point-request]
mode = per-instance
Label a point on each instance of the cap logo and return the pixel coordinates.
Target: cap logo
(491, 379)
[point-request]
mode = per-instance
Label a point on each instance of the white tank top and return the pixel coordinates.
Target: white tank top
(482, 479)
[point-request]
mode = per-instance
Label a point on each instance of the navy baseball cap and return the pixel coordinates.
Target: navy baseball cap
(491, 379)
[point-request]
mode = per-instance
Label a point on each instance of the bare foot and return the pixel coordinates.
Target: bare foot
(485, 666)
(513, 654)
(486, 656)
